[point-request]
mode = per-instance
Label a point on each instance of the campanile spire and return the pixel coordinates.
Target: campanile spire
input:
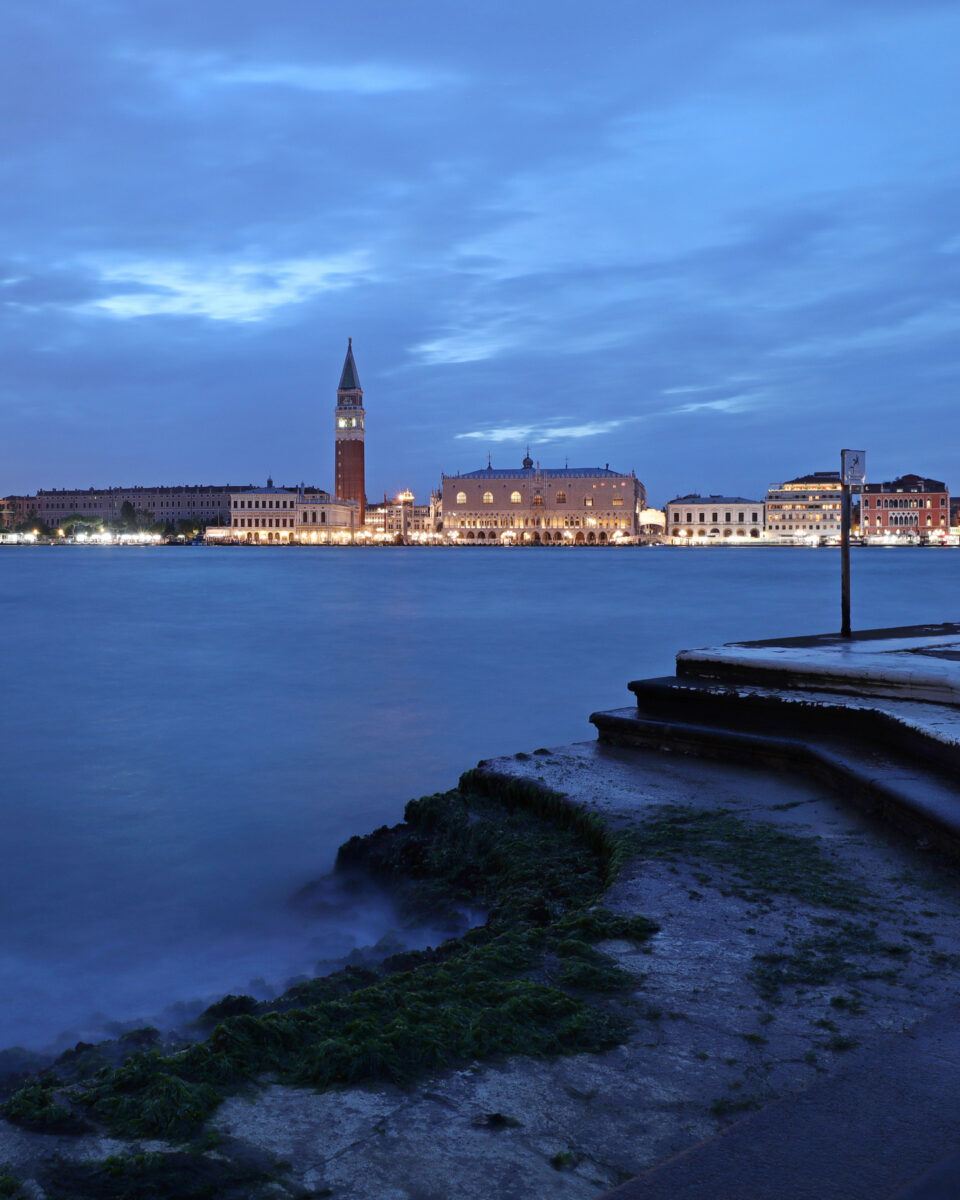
(349, 433)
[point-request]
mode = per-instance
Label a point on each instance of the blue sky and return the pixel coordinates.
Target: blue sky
(709, 242)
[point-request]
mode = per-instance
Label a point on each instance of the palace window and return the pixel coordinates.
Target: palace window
(537, 501)
(515, 498)
(461, 497)
(588, 502)
(561, 497)
(488, 497)
(618, 501)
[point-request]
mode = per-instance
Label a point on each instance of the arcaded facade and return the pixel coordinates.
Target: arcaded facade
(284, 514)
(546, 506)
(692, 519)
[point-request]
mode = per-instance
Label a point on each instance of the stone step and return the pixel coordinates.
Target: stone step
(917, 799)
(928, 732)
(913, 663)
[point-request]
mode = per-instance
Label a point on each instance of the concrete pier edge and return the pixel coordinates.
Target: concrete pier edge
(877, 720)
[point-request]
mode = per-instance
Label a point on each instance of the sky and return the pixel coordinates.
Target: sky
(710, 243)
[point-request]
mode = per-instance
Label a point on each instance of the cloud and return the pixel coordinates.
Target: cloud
(361, 79)
(222, 292)
(729, 404)
(543, 433)
(464, 347)
(939, 322)
(350, 78)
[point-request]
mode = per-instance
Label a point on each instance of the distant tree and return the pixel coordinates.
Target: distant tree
(80, 523)
(128, 515)
(34, 523)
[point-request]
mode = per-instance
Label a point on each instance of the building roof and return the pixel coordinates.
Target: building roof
(907, 483)
(715, 499)
(279, 491)
(349, 379)
(544, 473)
(815, 477)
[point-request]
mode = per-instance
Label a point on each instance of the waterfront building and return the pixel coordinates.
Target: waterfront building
(12, 511)
(653, 523)
(402, 518)
(696, 518)
(287, 514)
(806, 508)
(349, 482)
(909, 506)
(204, 503)
(535, 505)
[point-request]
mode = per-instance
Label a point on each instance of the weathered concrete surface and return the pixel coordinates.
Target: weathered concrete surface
(918, 662)
(868, 1132)
(707, 1047)
(714, 1045)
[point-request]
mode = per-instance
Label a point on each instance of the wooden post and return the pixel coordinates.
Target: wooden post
(845, 507)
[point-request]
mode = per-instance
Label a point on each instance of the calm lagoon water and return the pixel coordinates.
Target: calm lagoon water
(188, 734)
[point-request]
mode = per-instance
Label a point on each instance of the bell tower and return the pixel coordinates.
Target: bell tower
(348, 468)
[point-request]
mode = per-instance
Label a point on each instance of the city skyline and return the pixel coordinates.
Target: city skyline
(711, 251)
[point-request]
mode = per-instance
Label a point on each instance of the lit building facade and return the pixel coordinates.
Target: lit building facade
(542, 506)
(349, 419)
(911, 506)
(403, 519)
(806, 508)
(287, 514)
(696, 518)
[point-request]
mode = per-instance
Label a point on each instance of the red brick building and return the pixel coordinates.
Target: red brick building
(14, 510)
(910, 505)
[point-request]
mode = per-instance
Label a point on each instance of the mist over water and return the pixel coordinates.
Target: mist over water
(188, 734)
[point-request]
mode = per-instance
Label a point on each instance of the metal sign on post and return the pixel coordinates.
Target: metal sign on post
(853, 474)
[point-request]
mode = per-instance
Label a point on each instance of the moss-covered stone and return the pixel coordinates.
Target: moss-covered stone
(528, 981)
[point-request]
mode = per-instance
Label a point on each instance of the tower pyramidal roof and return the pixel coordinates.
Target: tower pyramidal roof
(349, 379)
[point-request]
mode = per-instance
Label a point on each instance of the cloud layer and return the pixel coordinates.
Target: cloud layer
(711, 246)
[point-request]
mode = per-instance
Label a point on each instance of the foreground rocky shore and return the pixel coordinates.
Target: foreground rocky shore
(664, 945)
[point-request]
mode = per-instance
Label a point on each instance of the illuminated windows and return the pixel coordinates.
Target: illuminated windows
(461, 497)
(561, 497)
(488, 497)
(515, 498)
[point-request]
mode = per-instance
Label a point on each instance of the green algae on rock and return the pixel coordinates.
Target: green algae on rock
(528, 981)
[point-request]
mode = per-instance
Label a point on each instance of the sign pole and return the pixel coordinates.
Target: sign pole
(853, 472)
(845, 562)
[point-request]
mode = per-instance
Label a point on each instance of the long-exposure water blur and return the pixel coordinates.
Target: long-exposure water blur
(189, 733)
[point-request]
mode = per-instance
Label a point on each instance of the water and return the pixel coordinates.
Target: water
(188, 734)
